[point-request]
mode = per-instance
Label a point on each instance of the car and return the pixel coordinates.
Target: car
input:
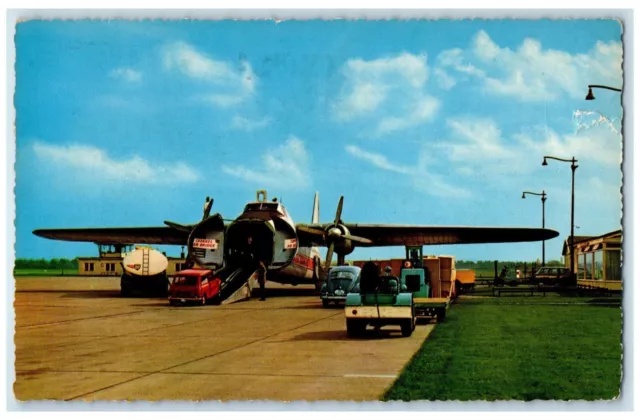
(554, 276)
(195, 286)
(341, 280)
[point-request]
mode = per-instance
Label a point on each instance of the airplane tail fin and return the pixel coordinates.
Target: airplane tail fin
(315, 216)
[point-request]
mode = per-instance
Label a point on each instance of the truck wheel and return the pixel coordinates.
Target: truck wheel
(355, 327)
(407, 327)
(325, 303)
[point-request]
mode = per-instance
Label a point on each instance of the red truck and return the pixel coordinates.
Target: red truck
(194, 285)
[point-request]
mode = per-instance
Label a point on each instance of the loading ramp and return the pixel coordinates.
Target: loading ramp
(237, 284)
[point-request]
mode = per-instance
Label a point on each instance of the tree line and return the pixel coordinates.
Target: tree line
(489, 264)
(54, 263)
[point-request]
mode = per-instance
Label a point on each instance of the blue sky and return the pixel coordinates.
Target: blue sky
(414, 122)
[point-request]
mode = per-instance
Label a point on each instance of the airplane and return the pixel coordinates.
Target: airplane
(265, 231)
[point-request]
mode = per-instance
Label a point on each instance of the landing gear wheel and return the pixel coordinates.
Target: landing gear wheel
(407, 327)
(355, 327)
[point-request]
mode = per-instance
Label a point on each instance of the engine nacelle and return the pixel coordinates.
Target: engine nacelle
(342, 245)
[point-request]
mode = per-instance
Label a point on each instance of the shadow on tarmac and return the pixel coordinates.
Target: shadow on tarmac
(341, 335)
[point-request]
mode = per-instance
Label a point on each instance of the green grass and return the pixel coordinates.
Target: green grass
(44, 272)
(521, 348)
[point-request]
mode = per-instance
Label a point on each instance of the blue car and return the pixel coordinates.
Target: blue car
(340, 281)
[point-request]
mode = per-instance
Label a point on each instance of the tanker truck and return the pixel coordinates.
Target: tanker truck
(144, 272)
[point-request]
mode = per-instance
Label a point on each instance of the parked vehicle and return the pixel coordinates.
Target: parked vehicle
(554, 276)
(341, 280)
(379, 302)
(194, 285)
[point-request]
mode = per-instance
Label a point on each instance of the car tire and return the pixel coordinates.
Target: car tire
(407, 328)
(355, 327)
(325, 303)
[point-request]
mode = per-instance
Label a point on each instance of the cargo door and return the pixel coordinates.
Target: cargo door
(206, 243)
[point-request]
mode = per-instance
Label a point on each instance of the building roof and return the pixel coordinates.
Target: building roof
(580, 239)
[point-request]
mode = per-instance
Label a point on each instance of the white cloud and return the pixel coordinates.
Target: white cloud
(90, 161)
(233, 85)
(128, 74)
(597, 145)
(285, 167)
(445, 80)
(376, 159)
(533, 73)
(246, 124)
(479, 145)
(424, 109)
(422, 179)
(389, 89)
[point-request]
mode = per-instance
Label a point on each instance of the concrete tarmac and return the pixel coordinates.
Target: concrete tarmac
(76, 339)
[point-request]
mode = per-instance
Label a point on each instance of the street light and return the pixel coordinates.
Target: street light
(590, 96)
(573, 177)
(543, 198)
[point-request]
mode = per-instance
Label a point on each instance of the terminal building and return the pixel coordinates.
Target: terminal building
(597, 260)
(109, 262)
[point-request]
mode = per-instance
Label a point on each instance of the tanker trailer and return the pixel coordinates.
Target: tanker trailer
(144, 272)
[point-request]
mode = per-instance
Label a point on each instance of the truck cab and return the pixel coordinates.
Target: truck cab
(194, 286)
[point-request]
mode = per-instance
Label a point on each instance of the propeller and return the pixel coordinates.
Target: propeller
(336, 234)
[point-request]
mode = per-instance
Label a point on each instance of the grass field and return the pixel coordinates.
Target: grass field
(521, 348)
(36, 272)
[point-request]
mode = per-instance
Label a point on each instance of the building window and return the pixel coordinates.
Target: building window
(88, 266)
(179, 266)
(612, 264)
(597, 265)
(111, 267)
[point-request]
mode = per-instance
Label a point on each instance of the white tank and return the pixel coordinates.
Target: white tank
(145, 262)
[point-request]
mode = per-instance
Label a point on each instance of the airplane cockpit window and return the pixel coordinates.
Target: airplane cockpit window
(262, 206)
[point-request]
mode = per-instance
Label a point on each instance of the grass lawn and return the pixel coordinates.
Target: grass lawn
(522, 348)
(36, 272)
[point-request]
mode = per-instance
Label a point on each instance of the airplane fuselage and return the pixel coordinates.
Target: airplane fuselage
(263, 232)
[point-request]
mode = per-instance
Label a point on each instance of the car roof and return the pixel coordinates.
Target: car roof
(351, 268)
(192, 272)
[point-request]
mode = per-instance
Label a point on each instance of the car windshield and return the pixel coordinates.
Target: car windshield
(341, 279)
(545, 271)
(186, 280)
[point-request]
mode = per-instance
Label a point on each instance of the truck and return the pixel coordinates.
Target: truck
(144, 272)
(432, 280)
(380, 301)
(194, 286)
(341, 280)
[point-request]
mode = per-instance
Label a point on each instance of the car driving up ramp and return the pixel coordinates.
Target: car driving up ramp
(238, 286)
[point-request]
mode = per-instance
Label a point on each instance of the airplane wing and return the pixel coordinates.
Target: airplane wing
(403, 235)
(162, 235)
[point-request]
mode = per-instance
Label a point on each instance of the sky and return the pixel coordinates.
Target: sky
(130, 123)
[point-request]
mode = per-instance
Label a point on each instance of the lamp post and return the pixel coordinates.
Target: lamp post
(573, 162)
(590, 96)
(543, 198)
